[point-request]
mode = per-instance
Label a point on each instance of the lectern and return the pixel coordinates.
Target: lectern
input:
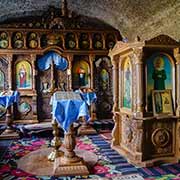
(67, 107)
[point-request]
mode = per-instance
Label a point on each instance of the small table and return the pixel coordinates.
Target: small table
(67, 107)
(90, 99)
(7, 99)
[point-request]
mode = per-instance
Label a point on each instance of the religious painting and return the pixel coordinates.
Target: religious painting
(158, 76)
(32, 40)
(23, 75)
(84, 41)
(4, 40)
(162, 102)
(24, 107)
(81, 73)
(104, 79)
(2, 80)
(18, 41)
(127, 84)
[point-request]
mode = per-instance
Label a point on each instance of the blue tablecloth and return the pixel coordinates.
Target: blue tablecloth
(88, 97)
(67, 111)
(7, 100)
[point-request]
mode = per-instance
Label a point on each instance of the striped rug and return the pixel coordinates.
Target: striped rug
(121, 164)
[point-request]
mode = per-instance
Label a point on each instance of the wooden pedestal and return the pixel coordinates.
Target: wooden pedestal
(66, 162)
(63, 168)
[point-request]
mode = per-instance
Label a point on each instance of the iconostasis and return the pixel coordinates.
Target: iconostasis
(38, 56)
(146, 100)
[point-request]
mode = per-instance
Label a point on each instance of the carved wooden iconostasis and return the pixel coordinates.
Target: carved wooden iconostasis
(55, 37)
(146, 111)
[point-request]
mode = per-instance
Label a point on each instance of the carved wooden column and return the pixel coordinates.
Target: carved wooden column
(9, 118)
(91, 60)
(39, 40)
(63, 41)
(33, 59)
(139, 85)
(116, 117)
(104, 40)
(77, 40)
(24, 39)
(115, 63)
(10, 40)
(10, 59)
(177, 57)
(34, 98)
(90, 41)
(69, 72)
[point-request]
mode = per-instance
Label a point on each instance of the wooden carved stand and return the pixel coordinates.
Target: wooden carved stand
(85, 127)
(56, 142)
(69, 163)
(9, 132)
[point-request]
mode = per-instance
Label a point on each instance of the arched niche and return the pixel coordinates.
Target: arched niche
(80, 74)
(160, 75)
(126, 88)
(23, 75)
(52, 75)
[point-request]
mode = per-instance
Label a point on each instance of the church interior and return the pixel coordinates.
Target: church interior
(90, 90)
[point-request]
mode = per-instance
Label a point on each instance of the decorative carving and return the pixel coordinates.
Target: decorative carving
(138, 55)
(116, 136)
(162, 40)
(177, 55)
(127, 136)
(160, 137)
(56, 18)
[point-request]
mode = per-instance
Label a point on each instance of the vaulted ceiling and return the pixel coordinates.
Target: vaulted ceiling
(143, 18)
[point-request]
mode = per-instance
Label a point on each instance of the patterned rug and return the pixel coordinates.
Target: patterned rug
(110, 164)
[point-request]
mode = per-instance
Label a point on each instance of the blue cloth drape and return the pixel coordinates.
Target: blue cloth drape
(8, 100)
(67, 111)
(60, 62)
(89, 97)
